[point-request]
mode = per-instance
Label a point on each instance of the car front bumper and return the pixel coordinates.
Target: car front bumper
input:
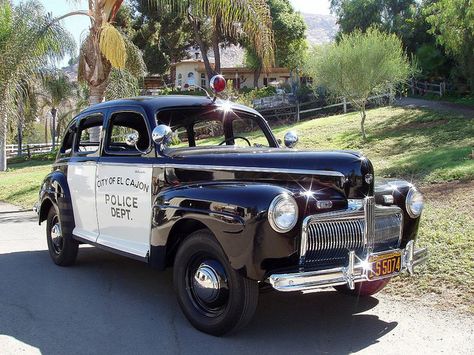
(355, 271)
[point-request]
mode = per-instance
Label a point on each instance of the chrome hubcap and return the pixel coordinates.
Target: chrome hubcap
(206, 283)
(207, 286)
(56, 237)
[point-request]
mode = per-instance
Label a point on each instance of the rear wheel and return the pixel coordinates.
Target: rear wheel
(62, 248)
(214, 297)
(364, 288)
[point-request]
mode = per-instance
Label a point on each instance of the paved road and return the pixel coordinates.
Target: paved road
(107, 304)
(452, 107)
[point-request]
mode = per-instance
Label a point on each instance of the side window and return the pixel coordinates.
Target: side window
(68, 142)
(123, 124)
(88, 134)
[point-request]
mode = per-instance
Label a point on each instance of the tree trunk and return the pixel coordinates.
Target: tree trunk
(20, 128)
(256, 76)
(97, 94)
(3, 138)
(20, 135)
(197, 36)
(54, 113)
(215, 47)
(362, 121)
(46, 129)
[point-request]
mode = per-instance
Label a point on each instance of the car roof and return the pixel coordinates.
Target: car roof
(153, 103)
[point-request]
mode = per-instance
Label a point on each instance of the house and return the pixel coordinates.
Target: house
(192, 72)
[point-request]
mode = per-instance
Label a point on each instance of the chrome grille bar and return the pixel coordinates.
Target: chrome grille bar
(329, 237)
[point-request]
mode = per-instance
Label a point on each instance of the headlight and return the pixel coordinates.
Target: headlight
(283, 213)
(414, 203)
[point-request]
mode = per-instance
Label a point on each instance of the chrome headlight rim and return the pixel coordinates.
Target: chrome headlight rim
(283, 197)
(408, 202)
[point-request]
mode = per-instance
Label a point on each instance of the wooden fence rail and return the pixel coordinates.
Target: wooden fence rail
(28, 149)
(290, 111)
(423, 87)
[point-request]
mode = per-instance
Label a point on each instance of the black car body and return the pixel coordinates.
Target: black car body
(149, 184)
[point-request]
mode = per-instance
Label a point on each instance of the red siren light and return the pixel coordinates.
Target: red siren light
(217, 83)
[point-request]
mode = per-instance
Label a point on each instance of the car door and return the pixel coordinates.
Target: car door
(81, 177)
(124, 190)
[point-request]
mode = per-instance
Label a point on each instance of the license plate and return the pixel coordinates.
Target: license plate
(383, 265)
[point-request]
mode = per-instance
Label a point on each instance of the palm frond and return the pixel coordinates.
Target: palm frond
(29, 42)
(121, 84)
(112, 46)
(249, 18)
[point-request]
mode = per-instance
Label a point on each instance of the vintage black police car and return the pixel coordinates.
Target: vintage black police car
(204, 186)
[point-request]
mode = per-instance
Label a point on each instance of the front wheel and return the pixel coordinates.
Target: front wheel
(62, 248)
(364, 288)
(214, 297)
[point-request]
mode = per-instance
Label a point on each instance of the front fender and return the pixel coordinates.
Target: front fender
(399, 190)
(236, 213)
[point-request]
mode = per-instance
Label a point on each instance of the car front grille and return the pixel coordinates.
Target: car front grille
(328, 238)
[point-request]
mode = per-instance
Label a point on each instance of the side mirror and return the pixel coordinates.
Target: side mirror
(291, 138)
(131, 139)
(162, 135)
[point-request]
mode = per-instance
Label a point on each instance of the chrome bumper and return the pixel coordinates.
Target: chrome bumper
(349, 275)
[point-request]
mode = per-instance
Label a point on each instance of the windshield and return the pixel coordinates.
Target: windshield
(205, 127)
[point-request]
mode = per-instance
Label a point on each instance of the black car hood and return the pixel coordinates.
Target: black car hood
(344, 170)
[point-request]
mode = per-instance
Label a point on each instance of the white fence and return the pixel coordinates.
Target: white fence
(295, 110)
(28, 149)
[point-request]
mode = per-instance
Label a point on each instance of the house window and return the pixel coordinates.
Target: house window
(180, 79)
(203, 80)
(265, 81)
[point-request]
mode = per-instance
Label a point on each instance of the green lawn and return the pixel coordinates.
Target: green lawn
(20, 184)
(428, 148)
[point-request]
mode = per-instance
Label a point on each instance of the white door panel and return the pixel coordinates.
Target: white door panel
(124, 207)
(81, 181)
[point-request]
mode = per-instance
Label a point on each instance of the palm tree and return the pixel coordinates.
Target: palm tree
(29, 40)
(27, 105)
(57, 90)
(104, 48)
(231, 19)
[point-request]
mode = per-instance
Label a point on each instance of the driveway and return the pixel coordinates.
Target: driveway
(445, 106)
(107, 304)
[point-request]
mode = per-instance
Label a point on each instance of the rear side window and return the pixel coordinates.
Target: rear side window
(121, 126)
(68, 142)
(88, 134)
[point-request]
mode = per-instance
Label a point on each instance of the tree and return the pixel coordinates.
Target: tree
(407, 19)
(359, 65)
(30, 39)
(290, 39)
(27, 105)
(228, 20)
(164, 37)
(57, 89)
(104, 48)
(452, 21)
(357, 14)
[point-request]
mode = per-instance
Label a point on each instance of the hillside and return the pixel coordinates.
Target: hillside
(321, 28)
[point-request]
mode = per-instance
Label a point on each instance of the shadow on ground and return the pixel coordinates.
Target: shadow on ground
(107, 303)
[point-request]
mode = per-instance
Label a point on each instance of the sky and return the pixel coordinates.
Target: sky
(78, 25)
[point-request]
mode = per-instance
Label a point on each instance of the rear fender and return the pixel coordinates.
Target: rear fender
(55, 191)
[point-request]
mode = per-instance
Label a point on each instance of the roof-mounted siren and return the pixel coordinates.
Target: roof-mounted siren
(217, 84)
